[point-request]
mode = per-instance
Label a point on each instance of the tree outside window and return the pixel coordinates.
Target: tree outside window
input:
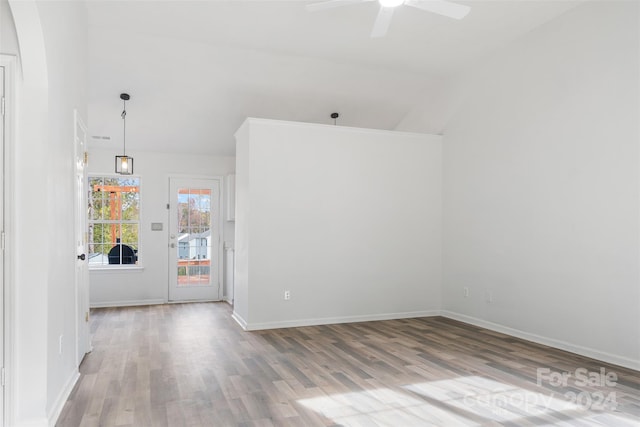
(114, 220)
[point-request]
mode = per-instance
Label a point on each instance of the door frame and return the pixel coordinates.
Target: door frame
(9, 62)
(220, 224)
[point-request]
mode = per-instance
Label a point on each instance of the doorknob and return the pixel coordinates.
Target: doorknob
(82, 257)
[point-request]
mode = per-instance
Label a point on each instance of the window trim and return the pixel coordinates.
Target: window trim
(118, 267)
(114, 268)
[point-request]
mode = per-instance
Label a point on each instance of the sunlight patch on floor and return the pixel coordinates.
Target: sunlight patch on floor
(380, 407)
(492, 400)
(463, 401)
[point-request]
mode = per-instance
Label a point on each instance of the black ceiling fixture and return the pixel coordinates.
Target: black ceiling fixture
(124, 163)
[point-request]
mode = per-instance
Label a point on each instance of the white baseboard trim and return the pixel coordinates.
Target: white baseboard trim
(562, 345)
(334, 320)
(56, 409)
(243, 323)
(189, 301)
(127, 303)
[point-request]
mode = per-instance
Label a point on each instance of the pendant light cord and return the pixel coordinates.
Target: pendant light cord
(124, 128)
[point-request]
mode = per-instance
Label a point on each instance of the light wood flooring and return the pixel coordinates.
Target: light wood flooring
(192, 365)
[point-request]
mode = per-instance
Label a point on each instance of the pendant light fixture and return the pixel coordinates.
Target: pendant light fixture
(124, 163)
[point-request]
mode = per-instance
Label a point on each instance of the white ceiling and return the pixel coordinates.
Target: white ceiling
(196, 69)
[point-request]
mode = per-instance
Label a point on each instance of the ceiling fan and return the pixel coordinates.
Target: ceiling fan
(440, 7)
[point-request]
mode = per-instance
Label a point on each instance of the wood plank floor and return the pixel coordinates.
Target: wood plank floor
(192, 365)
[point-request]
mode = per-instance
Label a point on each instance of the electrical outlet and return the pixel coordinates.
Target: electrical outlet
(287, 295)
(465, 291)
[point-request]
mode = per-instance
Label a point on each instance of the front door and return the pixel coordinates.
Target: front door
(194, 239)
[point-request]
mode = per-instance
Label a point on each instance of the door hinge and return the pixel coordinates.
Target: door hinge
(2, 105)
(167, 205)
(86, 316)
(2, 376)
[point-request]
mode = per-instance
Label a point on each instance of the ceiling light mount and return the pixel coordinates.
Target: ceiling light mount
(124, 163)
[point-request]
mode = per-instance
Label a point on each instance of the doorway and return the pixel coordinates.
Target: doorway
(194, 239)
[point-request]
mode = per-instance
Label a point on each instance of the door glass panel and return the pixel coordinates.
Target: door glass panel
(194, 237)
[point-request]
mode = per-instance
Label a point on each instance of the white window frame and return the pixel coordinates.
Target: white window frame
(138, 265)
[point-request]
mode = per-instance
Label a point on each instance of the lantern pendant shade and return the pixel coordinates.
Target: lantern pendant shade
(124, 163)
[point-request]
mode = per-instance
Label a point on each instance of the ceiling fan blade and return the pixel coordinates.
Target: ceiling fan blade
(382, 22)
(441, 7)
(330, 4)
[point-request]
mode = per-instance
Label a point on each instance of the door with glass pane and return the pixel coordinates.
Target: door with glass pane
(194, 239)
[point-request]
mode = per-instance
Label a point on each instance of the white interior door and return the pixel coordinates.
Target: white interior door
(83, 341)
(194, 239)
(2, 146)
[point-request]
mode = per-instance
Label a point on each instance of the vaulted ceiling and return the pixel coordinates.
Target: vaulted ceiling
(196, 69)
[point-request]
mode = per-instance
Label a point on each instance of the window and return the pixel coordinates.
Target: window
(114, 220)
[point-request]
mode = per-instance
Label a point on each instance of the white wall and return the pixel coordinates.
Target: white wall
(541, 186)
(150, 285)
(65, 27)
(51, 83)
(8, 36)
(348, 220)
(243, 184)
